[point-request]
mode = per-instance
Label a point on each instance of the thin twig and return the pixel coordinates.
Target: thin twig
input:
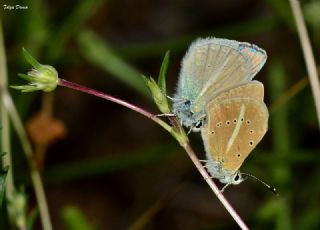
(214, 187)
(4, 122)
(35, 175)
(5, 146)
(40, 149)
(308, 54)
(185, 145)
(288, 94)
(96, 93)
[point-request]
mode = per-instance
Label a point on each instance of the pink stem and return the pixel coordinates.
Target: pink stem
(87, 90)
(214, 187)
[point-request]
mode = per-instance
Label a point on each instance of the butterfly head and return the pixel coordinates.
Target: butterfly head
(237, 178)
(233, 179)
(194, 121)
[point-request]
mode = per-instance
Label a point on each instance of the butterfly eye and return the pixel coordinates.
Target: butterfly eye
(237, 177)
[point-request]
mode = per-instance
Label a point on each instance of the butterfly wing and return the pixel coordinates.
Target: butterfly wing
(251, 89)
(214, 65)
(234, 127)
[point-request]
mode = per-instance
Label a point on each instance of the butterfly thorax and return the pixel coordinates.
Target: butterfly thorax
(182, 109)
(216, 170)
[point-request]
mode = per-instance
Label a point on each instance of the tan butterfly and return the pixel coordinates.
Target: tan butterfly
(236, 122)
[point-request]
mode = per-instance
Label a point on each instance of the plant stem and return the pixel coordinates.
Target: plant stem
(308, 54)
(184, 144)
(214, 187)
(96, 93)
(35, 175)
(4, 122)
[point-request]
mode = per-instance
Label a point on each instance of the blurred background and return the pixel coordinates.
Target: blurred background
(106, 167)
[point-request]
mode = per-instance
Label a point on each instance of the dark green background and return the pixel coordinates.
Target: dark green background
(115, 166)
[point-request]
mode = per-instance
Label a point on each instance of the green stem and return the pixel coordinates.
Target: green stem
(35, 175)
(4, 123)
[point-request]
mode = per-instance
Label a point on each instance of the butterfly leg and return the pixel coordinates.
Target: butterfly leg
(224, 187)
(204, 162)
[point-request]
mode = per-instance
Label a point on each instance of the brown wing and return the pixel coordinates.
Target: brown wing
(252, 89)
(234, 127)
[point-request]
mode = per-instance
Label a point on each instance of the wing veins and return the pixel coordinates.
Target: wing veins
(218, 71)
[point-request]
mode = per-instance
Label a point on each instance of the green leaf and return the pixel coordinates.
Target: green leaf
(163, 72)
(74, 219)
(31, 60)
(95, 166)
(158, 96)
(32, 218)
(76, 19)
(27, 77)
(96, 51)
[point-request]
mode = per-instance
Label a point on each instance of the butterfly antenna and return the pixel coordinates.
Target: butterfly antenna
(171, 98)
(175, 99)
(189, 131)
(270, 188)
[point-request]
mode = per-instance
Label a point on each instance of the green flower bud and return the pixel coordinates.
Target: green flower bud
(158, 96)
(41, 77)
